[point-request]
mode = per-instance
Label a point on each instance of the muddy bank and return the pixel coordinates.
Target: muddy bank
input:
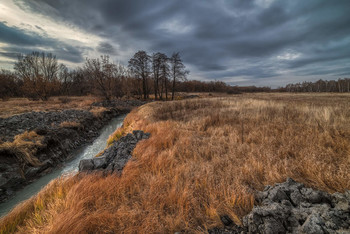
(290, 207)
(60, 132)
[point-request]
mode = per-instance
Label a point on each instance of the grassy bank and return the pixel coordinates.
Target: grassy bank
(205, 158)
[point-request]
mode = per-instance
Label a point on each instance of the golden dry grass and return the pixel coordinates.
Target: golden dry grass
(71, 124)
(24, 147)
(21, 105)
(97, 111)
(205, 158)
(33, 212)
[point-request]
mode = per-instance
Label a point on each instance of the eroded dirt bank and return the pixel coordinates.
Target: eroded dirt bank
(34, 143)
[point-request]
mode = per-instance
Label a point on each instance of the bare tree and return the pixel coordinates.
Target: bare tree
(66, 79)
(102, 72)
(8, 84)
(177, 71)
(139, 65)
(159, 67)
(120, 74)
(164, 77)
(81, 84)
(39, 74)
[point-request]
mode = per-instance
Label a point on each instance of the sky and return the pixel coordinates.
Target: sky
(241, 42)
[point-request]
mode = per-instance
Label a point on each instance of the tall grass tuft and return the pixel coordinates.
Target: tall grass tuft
(24, 147)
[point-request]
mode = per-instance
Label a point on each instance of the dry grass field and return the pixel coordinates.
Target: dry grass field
(205, 158)
(21, 105)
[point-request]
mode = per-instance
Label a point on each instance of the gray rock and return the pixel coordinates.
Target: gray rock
(290, 207)
(86, 165)
(116, 156)
(138, 134)
(110, 167)
(277, 195)
(296, 197)
(313, 225)
(341, 201)
(99, 162)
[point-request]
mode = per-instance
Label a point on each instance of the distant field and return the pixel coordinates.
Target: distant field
(205, 158)
(21, 105)
(15, 106)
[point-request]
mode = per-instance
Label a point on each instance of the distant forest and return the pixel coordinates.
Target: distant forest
(39, 76)
(338, 86)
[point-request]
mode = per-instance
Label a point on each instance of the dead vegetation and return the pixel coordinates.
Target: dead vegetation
(33, 211)
(71, 124)
(21, 105)
(98, 111)
(24, 147)
(205, 158)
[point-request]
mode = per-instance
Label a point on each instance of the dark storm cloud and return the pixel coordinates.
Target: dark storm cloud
(16, 36)
(62, 52)
(23, 42)
(10, 55)
(214, 37)
(106, 48)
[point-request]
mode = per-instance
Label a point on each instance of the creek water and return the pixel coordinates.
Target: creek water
(87, 151)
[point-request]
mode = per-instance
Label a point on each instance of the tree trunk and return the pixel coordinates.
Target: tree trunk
(161, 90)
(144, 88)
(155, 89)
(166, 90)
(173, 93)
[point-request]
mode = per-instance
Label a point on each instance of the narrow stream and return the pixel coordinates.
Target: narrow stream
(87, 151)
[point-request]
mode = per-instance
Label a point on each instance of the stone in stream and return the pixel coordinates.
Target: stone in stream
(116, 156)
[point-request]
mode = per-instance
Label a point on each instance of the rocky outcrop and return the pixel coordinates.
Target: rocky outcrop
(290, 207)
(116, 156)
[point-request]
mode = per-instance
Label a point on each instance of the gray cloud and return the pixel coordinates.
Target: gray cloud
(215, 38)
(15, 36)
(106, 48)
(23, 42)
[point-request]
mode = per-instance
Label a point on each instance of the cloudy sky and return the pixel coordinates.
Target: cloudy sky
(241, 42)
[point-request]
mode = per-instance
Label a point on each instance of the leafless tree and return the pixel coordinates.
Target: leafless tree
(164, 77)
(81, 84)
(178, 71)
(120, 74)
(139, 65)
(102, 72)
(39, 74)
(160, 72)
(8, 84)
(66, 79)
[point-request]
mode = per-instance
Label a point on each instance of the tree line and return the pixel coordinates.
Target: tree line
(39, 76)
(339, 86)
